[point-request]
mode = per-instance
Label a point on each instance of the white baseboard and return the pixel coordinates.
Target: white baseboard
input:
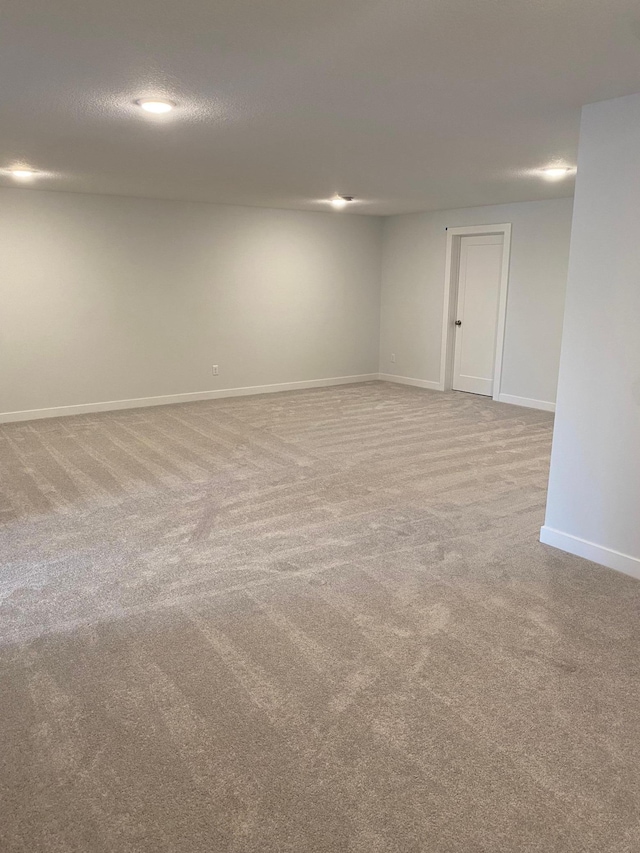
(528, 402)
(140, 402)
(590, 551)
(437, 386)
(406, 380)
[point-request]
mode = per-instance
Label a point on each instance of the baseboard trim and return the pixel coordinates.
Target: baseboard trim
(169, 399)
(406, 380)
(624, 563)
(527, 402)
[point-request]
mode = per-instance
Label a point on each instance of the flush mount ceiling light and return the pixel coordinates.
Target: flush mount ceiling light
(22, 173)
(340, 201)
(555, 173)
(155, 105)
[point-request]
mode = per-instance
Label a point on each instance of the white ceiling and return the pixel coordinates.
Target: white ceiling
(406, 104)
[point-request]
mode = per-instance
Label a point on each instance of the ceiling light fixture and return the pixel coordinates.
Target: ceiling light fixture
(155, 105)
(340, 201)
(23, 174)
(555, 173)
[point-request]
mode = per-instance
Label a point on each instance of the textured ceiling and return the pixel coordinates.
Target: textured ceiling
(406, 104)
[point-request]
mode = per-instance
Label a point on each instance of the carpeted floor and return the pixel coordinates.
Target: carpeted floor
(310, 622)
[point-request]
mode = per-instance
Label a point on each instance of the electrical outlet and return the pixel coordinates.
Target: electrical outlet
(393, 358)
(215, 369)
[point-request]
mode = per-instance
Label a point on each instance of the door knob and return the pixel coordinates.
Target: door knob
(458, 322)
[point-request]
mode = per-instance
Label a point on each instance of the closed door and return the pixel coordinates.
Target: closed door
(477, 313)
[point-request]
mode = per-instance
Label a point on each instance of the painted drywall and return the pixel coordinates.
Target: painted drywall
(594, 489)
(106, 298)
(413, 270)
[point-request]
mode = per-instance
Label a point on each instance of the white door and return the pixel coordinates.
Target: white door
(476, 319)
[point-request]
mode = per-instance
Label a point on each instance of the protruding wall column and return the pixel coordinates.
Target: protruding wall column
(593, 506)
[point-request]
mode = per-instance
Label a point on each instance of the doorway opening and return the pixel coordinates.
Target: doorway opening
(475, 308)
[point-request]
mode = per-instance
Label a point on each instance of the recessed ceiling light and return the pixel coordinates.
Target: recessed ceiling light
(555, 173)
(23, 174)
(155, 105)
(340, 201)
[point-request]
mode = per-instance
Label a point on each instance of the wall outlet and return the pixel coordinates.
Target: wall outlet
(215, 369)
(393, 358)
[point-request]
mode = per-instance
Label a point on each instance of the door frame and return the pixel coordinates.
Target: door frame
(452, 268)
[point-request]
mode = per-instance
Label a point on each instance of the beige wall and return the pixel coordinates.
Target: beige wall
(413, 292)
(108, 298)
(593, 506)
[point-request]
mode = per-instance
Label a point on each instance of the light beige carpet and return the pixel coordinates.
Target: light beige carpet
(313, 622)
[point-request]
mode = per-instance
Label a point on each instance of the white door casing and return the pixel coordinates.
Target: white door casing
(477, 313)
(455, 237)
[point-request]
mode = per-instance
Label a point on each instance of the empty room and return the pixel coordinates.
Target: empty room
(319, 426)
